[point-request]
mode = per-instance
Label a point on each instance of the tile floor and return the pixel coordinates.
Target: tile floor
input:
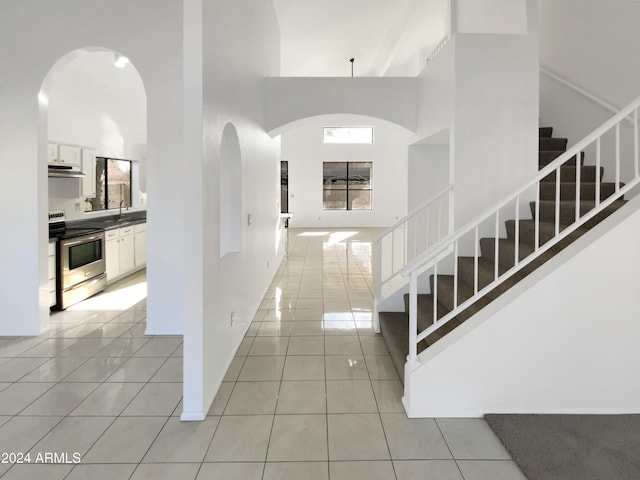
(311, 394)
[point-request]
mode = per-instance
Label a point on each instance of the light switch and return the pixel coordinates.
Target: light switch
(249, 219)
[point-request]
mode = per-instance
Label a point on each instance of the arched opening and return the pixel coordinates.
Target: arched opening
(92, 103)
(230, 192)
(354, 183)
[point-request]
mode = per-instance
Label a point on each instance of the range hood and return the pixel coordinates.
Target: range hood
(64, 171)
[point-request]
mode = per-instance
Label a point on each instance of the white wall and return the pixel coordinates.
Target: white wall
(290, 99)
(227, 63)
(593, 43)
(564, 340)
(428, 172)
(491, 16)
(495, 138)
(43, 32)
(305, 151)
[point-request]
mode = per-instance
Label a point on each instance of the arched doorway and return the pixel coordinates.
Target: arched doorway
(93, 101)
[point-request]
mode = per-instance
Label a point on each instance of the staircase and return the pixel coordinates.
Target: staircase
(556, 206)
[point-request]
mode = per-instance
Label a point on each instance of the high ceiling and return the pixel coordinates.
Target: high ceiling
(386, 37)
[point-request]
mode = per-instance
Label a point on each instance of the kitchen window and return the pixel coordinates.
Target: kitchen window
(113, 185)
(347, 185)
(348, 135)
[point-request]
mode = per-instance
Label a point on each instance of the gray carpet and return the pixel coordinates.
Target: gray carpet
(572, 447)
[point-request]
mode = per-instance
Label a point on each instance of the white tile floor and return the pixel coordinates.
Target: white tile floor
(312, 393)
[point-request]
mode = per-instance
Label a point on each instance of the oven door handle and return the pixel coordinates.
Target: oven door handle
(86, 283)
(77, 241)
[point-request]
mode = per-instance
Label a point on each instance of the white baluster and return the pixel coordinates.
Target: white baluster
(455, 275)
(598, 160)
(413, 315)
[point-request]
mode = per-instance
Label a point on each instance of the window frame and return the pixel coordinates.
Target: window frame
(348, 205)
(96, 200)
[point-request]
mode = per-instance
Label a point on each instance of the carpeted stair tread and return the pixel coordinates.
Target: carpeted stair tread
(545, 157)
(527, 231)
(568, 174)
(506, 250)
(446, 290)
(547, 231)
(568, 190)
(486, 270)
(552, 143)
(545, 132)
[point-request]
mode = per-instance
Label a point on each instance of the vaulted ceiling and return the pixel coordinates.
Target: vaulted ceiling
(386, 37)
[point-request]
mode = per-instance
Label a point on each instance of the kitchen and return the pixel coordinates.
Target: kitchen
(97, 176)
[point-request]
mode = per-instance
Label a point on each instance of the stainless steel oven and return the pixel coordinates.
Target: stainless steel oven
(82, 267)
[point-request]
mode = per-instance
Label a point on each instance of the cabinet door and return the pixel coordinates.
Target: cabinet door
(141, 249)
(88, 186)
(52, 152)
(127, 260)
(70, 155)
(112, 258)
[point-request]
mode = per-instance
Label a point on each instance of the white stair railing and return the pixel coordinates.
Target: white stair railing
(407, 239)
(443, 256)
(437, 49)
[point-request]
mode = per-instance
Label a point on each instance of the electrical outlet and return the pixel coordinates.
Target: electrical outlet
(78, 207)
(233, 318)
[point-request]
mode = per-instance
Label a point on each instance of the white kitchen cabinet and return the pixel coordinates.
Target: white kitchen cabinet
(112, 257)
(140, 242)
(52, 274)
(61, 154)
(70, 155)
(127, 255)
(88, 185)
(120, 254)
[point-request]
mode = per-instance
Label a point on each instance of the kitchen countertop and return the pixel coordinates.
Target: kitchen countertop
(111, 221)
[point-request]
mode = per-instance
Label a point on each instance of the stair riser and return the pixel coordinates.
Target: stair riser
(568, 191)
(552, 144)
(567, 211)
(506, 251)
(545, 132)
(568, 174)
(425, 310)
(445, 292)
(527, 233)
(546, 157)
(466, 271)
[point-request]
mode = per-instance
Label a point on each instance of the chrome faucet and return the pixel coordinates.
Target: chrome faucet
(120, 212)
